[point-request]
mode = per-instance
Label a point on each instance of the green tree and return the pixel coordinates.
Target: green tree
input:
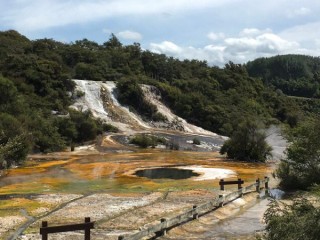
(301, 167)
(10, 101)
(297, 221)
(247, 143)
(113, 42)
(45, 135)
(67, 129)
(295, 75)
(13, 150)
(87, 128)
(131, 94)
(86, 71)
(144, 140)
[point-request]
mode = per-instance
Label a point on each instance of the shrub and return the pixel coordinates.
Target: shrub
(144, 140)
(79, 94)
(13, 150)
(109, 128)
(299, 220)
(173, 146)
(300, 169)
(196, 141)
(247, 143)
(159, 117)
(131, 94)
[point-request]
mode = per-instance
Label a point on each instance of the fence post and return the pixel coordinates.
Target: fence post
(239, 184)
(242, 192)
(87, 229)
(221, 184)
(266, 186)
(196, 215)
(258, 185)
(45, 234)
(221, 204)
(164, 231)
(266, 183)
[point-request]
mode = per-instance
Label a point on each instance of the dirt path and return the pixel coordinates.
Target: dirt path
(240, 219)
(244, 225)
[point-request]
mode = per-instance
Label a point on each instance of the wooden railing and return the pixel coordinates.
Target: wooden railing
(196, 211)
(239, 182)
(86, 226)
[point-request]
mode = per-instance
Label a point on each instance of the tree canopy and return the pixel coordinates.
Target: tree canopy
(295, 75)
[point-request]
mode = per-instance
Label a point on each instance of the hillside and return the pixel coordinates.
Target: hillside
(294, 75)
(37, 92)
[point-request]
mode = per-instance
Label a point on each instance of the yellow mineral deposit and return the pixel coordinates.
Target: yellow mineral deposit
(116, 172)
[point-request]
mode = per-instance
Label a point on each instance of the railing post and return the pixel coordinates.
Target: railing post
(258, 185)
(44, 234)
(266, 183)
(221, 204)
(221, 184)
(241, 194)
(87, 230)
(266, 186)
(164, 231)
(196, 215)
(239, 183)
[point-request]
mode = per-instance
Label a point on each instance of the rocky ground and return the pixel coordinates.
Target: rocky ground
(116, 215)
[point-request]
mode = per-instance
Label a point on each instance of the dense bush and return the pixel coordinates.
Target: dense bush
(247, 143)
(13, 150)
(144, 140)
(109, 128)
(301, 167)
(131, 94)
(297, 221)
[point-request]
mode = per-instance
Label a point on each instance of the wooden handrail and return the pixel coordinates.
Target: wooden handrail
(222, 183)
(86, 226)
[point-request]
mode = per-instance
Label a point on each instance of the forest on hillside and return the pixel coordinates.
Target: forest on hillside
(37, 90)
(294, 75)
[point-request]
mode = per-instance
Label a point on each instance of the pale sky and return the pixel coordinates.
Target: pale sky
(214, 30)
